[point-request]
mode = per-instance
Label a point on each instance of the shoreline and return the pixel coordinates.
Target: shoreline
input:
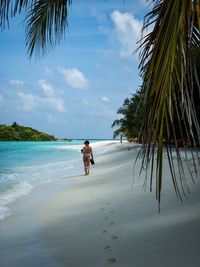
(24, 186)
(102, 219)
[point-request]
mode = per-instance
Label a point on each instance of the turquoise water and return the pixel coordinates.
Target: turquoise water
(24, 165)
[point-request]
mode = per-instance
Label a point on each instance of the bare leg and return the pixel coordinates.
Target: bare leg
(85, 167)
(88, 168)
(87, 163)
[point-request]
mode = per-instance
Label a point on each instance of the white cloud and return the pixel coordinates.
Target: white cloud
(127, 29)
(74, 78)
(46, 88)
(30, 102)
(56, 103)
(16, 82)
(105, 99)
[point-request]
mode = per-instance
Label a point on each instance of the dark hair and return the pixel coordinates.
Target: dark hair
(86, 142)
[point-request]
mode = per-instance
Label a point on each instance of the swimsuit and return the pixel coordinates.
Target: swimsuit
(86, 158)
(87, 152)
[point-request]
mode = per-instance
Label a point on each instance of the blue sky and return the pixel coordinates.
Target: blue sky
(75, 90)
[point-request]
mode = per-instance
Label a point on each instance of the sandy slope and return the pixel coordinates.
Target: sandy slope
(103, 219)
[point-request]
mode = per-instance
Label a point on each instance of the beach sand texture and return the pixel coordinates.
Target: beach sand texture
(104, 219)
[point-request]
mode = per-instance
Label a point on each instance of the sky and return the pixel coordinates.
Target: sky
(74, 90)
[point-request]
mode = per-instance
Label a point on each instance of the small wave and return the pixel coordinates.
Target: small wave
(39, 164)
(94, 145)
(4, 212)
(72, 147)
(11, 195)
(24, 179)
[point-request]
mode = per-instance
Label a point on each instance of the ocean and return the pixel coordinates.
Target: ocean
(24, 165)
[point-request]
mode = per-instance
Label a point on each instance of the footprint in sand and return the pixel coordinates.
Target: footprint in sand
(114, 237)
(104, 231)
(111, 260)
(108, 248)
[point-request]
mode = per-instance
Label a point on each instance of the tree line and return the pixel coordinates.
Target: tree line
(16, 132)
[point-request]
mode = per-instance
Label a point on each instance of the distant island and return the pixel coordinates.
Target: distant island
(16, 132)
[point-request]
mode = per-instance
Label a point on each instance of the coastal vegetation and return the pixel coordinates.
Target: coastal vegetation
(131, 117)
(16, 132)
(132, 112)
(169, 66)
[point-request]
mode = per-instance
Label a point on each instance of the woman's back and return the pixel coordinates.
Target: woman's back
(87, 150)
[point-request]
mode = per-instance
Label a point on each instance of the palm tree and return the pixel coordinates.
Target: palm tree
(124, 123)
(168, 63)
(121, 130)
(132, 111)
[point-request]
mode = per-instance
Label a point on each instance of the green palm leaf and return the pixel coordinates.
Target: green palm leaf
(45, 20)
(168, 67)
(46, 24)
(10, 8)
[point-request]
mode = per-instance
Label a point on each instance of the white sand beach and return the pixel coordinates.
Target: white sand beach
(103, 219)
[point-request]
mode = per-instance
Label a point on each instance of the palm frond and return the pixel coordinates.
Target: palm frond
(168, 67)
(116, 123)
(9, 9)
(117, 133)
(46, 24)
(46, 21)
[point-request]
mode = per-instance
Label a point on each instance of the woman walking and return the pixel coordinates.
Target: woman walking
(87, 154)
